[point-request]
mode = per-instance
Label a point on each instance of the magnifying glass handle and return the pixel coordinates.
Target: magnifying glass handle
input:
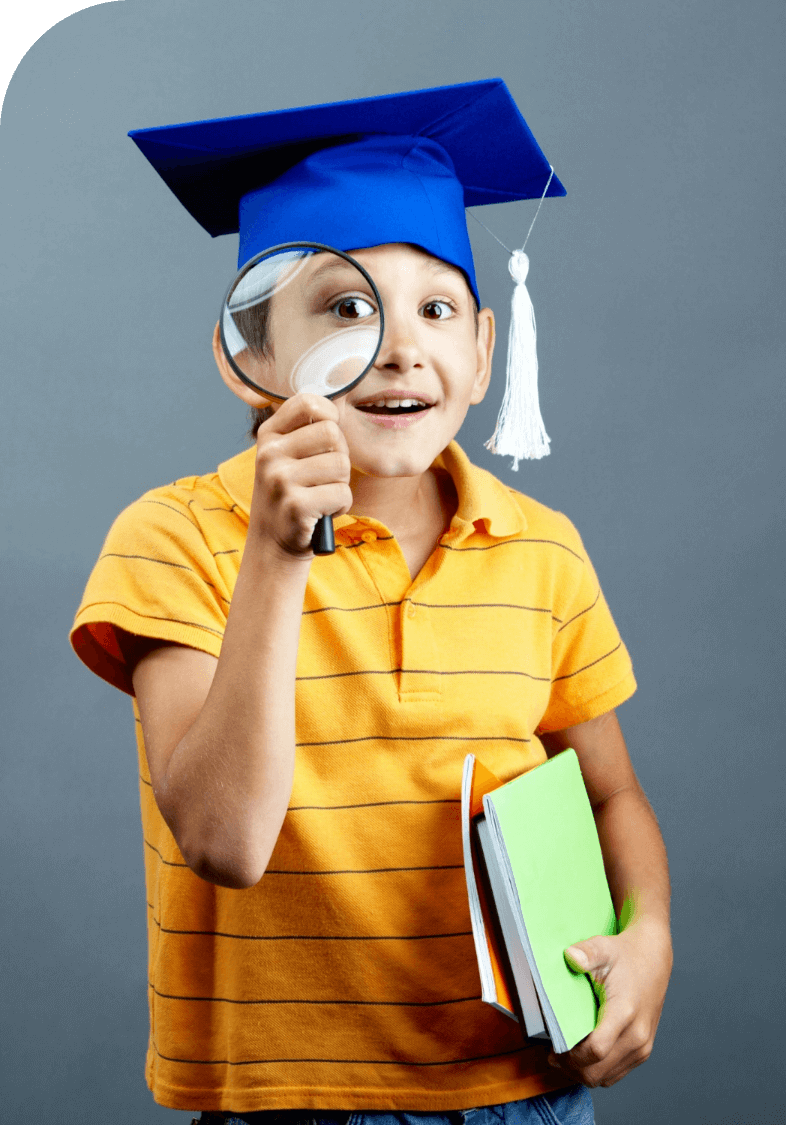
(323, 541)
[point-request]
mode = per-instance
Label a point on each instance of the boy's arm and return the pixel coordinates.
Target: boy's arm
(634, 966)
(220, 734)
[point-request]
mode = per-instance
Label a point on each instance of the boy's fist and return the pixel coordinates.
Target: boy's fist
(631, 971)
(302, 473)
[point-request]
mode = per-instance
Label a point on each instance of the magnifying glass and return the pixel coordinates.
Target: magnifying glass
(298, 317)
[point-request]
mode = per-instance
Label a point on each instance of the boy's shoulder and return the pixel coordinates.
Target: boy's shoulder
(532, 520)
(547, 522)
(199, 498)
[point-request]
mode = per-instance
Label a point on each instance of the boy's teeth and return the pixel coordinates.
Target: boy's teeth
(394, 405)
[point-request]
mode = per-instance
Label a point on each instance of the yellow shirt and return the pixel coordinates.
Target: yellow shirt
(346, 978)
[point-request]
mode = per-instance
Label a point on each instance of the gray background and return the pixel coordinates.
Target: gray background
(656, 286)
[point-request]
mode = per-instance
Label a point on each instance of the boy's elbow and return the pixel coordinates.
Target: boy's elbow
(226, 860)
(222, 873)
(235, 863)
(220, 849)
(231, 865)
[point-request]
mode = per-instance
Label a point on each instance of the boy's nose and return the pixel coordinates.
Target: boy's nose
(399, 352)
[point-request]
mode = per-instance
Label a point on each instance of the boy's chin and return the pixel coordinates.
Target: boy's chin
(389, 465)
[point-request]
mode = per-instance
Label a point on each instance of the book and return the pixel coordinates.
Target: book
(536, 884)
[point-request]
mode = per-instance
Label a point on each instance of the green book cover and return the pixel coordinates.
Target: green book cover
(553, 854)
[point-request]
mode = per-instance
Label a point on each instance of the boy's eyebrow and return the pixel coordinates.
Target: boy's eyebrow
(438, 266)
(331, 266)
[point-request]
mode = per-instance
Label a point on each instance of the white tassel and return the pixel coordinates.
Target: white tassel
(520, 432)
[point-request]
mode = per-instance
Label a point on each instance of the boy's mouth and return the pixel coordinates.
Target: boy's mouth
(394, 405)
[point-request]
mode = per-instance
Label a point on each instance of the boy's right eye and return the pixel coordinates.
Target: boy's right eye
(353, 308)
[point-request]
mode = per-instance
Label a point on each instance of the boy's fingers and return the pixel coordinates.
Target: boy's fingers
(300, 410)
(323, 500)
(309, 441)
(595, 955)
(596, 1065)
(618, 1043)
(331, 499)
(332, 467)
(600, 1044)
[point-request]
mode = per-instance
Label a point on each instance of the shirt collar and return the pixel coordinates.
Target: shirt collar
(484, 503)
(482, 499)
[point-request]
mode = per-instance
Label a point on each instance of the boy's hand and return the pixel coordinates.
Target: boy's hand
(302, 473)
(632, 970)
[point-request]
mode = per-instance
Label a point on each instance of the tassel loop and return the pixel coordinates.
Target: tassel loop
(518, 267)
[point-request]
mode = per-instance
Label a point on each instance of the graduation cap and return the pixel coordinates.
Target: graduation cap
(354, 174)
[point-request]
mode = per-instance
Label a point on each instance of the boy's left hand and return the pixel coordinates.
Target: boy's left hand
(632, 969)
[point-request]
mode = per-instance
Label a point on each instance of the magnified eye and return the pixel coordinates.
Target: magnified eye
(353, 308)
(437, 310)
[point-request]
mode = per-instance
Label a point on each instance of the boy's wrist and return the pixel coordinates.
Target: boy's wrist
(272, 560)
(652, 928)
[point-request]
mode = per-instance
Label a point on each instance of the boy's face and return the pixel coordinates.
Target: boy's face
(434, 351)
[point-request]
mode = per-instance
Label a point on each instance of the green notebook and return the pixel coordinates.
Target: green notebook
(541, 838)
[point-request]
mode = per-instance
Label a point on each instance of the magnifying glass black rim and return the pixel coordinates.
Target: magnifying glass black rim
(299, 246)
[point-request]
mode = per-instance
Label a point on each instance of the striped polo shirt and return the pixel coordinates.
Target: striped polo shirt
(346, 978)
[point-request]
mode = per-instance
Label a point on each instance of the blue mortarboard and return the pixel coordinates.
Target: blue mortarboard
(398, 168)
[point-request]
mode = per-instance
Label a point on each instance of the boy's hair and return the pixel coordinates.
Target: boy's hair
(255, 333)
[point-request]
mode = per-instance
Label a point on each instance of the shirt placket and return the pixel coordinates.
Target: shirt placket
(416, 656)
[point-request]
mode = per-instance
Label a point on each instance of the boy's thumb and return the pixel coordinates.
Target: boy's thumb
(586, 956)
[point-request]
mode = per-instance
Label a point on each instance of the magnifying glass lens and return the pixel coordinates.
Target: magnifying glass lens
(301, 319)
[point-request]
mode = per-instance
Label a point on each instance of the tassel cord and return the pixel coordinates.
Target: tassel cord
(520, 432)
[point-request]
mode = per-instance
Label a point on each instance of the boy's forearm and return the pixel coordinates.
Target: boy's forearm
(635, 858)
(633, 850)
(230, 777)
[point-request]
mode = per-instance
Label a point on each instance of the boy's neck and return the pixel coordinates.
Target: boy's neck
(416, 509)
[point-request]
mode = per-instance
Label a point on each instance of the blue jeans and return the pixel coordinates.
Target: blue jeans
(570, 1106)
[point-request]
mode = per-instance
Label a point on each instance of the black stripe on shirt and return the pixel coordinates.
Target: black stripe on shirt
(220, 508)
(362, 542)
(368, 870)
(348, 609)
(590, 665)
(427, 605)
(354, 1003)
(164, 562)
(427, 672)
(343, 871)
(168, 862)
(341, 1062)
(310, 937)
(180, 512)
(478, 605)
(417, 738)
(371, 804)
(154, 617)
(580, 613)
(506, 542)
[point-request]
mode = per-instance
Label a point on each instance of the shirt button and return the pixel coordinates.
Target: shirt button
(410, 610)
(369, 536)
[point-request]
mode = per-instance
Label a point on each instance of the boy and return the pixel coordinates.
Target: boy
(302, 724)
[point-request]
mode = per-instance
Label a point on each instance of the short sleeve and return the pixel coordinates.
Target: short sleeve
(591, 670)
(157, 577)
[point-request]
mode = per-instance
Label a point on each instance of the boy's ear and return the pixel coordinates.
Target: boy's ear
(486, 336)
(236, 385)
